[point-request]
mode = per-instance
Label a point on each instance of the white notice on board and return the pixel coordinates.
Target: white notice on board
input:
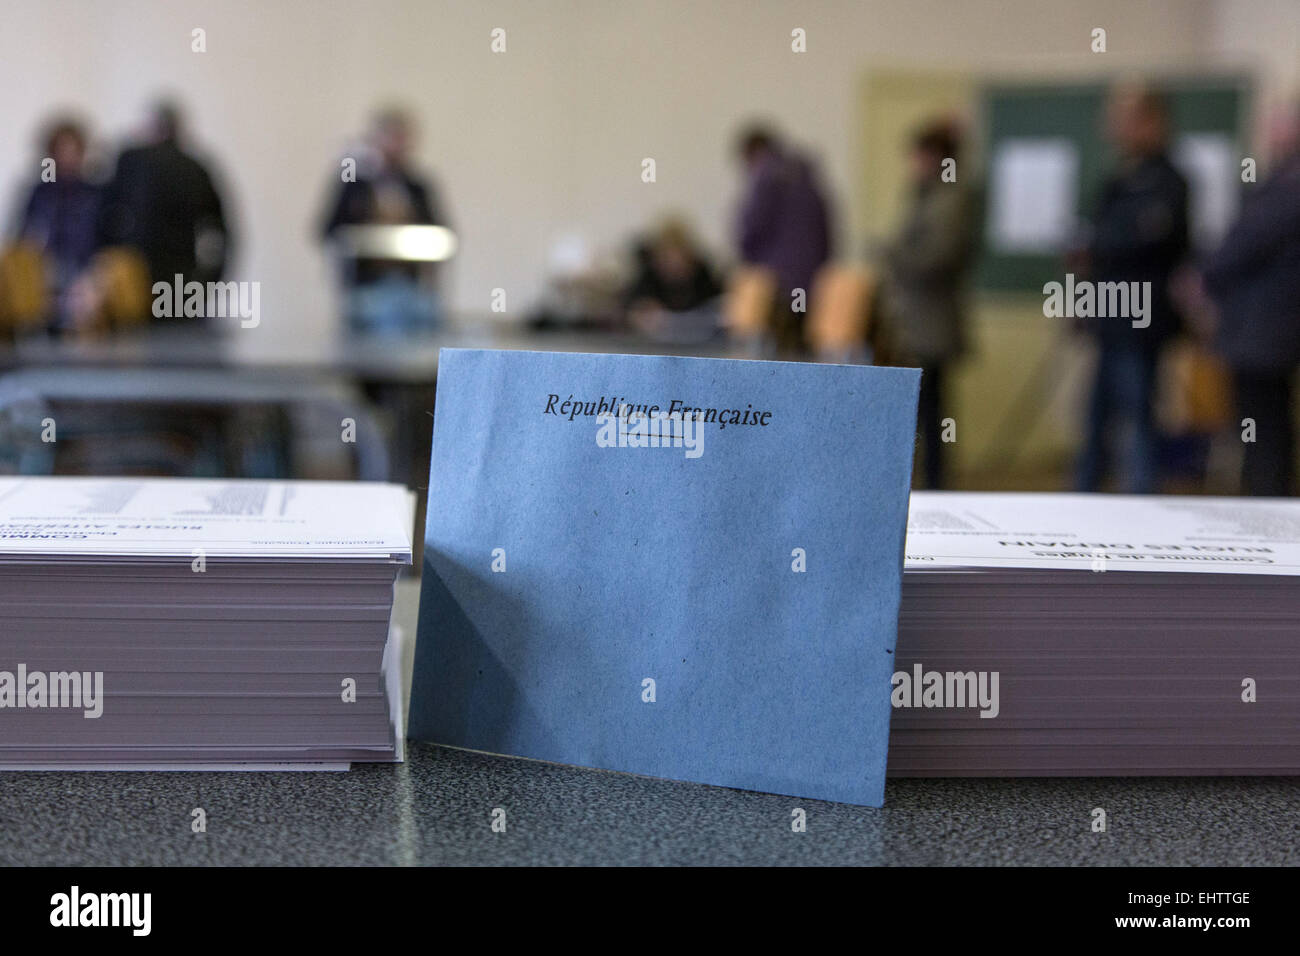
(1034, 188)
(1209, 161)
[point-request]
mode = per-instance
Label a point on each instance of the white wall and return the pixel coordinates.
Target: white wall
(547, 138)
(1263, 35)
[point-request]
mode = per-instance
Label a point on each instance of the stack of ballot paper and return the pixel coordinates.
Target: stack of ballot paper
(1068, 634)
(161, 622)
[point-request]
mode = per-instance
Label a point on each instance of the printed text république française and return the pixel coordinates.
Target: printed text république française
(572, 408)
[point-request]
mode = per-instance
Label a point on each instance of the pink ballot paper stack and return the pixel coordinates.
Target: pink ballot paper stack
(193, 623)
(1064, 634)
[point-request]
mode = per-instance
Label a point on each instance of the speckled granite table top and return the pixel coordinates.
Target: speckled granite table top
(437, 809)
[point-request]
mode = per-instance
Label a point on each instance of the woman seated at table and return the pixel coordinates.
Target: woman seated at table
(674, 295)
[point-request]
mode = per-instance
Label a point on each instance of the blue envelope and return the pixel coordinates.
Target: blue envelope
(678, 567)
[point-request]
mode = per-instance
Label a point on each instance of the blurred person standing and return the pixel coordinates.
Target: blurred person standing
(783, 225)
(1254, 280)
(1138, 234)
(61, 214)
(163, 202)
(387, 295)
(926, 267)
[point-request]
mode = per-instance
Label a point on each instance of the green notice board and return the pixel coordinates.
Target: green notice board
(1046, 159)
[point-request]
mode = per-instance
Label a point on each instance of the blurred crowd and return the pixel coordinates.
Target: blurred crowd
(90, 238)
(87, 245)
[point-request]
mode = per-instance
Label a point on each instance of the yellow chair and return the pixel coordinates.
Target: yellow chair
(1196, 390)
(747, 305)
(122, 276)
(24, 293)
(841, 310)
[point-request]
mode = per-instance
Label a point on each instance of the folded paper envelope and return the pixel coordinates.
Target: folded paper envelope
(678, 567)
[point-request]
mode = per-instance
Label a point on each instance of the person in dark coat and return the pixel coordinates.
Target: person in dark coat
(1139, 233)
(783, 225)
(673, 274)
(673, 295)
(61, 214)
(1254, 280)
(163, 202)
(927, 266)
(387, 294)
